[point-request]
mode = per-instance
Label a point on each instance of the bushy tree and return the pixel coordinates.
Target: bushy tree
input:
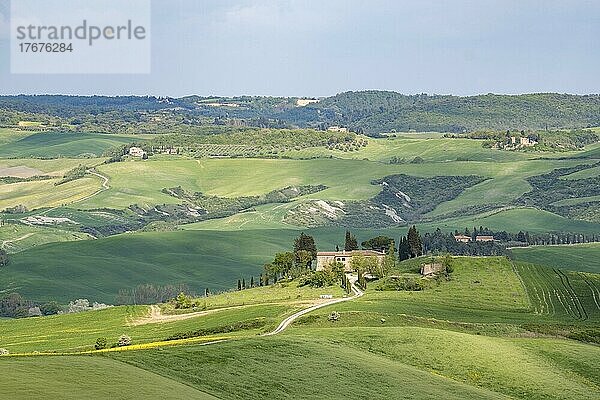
(50, 308)
(367, 264)
(183, 301)
(307, 243)
(389, 262)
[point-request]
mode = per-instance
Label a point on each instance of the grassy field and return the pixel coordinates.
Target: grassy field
(87, 377)
(140, 182)
(586, 173)
(462, 338)
(516, 219)
(563, 294)
(55, 167)
(381, 363)
(16, 237)
(8, 135)
(78, 332)
(98, 269)
(431, 147)
(44, 193)
(56, 144)
(581, 257)
(577, 200)
(482, 290)
(278, 368)
(511, 220)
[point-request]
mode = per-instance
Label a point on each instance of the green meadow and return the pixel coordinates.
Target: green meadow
(15, 238)
(9, 135)
(70, 378)
(141, 182)
(496, 328)
(467, 337)
(580, 257)
(63, 145)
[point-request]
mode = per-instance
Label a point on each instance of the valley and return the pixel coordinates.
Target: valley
(160, 268)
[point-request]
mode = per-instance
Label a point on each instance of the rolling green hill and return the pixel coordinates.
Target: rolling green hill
(99, 269)
(581, 257)
(56, 144)
(84, 377)
(481, 334)
(380, 363)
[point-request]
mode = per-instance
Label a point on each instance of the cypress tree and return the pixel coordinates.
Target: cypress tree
(351, 242)
(243, 283)
(415, 243)
(252, 281)
(239, 285)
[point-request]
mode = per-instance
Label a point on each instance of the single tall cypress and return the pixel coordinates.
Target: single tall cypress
(351, 242)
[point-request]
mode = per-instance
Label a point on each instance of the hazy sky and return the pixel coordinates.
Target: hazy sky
(323, 47)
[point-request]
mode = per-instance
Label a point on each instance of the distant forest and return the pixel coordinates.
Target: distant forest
(369, 112)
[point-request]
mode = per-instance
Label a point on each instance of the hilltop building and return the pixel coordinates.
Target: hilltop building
(337, 129)
(484, 238)
(432, 269)
(325, 258)
(136, 152)
(462, 238)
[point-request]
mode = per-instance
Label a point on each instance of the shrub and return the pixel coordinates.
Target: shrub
(4, 352)
(183, 301)
(50, 308)
(124, 340)
(334, 316)
(101, 343)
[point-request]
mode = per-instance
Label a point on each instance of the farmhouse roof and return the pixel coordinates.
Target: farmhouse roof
(484, 238)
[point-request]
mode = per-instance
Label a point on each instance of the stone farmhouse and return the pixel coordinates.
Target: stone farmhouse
(136, 152)
(478, 238)
(431, 269)
(462, 238)
(324, 258)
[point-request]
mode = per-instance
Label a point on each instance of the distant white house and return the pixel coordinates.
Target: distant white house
(462, 238)
(337, 129)
(136, 152)
(305, 102)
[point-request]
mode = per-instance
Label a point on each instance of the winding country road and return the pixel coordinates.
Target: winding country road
(286, 322)
(97, 192)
